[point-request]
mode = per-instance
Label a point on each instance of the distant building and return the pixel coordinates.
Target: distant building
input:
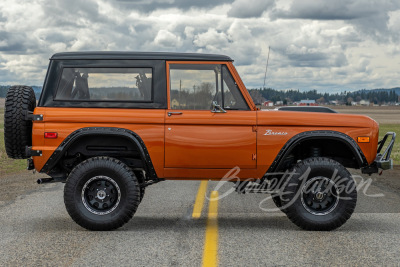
(364, 103)
(268, 103)
(307, 103)
(279, 103)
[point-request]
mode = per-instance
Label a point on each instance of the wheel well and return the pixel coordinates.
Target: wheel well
(335, 149)
(89, 146)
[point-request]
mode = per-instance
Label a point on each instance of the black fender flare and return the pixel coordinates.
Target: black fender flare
(93, 131)
(295, 140)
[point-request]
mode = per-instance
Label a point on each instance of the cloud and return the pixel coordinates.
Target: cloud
(212, 40)
(246, 9)
(327, 10)
(167, 39)
(148, 6)
(12, 43)
(314, 44)
(369, 16)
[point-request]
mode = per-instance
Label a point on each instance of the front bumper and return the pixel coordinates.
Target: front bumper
(382, 160)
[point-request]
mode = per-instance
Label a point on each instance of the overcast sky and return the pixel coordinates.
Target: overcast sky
(324, 45)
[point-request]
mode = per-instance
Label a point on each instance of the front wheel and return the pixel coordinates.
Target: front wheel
(320, 195)
(101, 193)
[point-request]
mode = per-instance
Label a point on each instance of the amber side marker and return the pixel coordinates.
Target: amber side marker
(363, 139)
(199, 203)
(210, 253)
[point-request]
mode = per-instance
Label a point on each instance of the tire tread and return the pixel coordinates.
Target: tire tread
(291, 211)
(17, 130)
(131, 183)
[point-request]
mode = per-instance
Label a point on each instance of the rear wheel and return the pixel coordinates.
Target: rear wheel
(101, 193)
(321, 195)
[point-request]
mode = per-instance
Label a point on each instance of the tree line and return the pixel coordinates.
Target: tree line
(376, 96)
(4, 89)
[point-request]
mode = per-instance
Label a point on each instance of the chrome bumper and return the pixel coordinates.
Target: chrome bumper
(383, 160)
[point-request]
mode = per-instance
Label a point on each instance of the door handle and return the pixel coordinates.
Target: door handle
(174, 113)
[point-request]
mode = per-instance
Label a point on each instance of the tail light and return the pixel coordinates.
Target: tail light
(50, 135)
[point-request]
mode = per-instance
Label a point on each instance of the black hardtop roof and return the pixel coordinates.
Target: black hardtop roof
(139, 55)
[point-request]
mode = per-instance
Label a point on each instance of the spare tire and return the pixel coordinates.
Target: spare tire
(17, 130)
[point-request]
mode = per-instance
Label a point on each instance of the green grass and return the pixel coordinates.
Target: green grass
(8, 165)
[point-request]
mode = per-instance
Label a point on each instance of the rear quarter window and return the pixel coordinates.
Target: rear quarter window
(106, 84)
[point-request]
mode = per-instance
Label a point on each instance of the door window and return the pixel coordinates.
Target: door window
(194, 86)
(197, 86)
(233, 98)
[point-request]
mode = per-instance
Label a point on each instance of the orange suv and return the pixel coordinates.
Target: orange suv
(109, 124)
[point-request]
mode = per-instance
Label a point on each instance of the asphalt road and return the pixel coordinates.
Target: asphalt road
(36, 230)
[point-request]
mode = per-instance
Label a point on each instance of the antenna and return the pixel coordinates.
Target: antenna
(266, 68)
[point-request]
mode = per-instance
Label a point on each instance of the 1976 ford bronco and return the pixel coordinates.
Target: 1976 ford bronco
(109, 124)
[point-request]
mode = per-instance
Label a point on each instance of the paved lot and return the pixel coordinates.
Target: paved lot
(36, 230)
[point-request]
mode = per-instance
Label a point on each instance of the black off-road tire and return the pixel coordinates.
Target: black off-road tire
(278, 202)
(319, 209)
(121, 194)
(142, 191)
(17, 130)
(141, 179)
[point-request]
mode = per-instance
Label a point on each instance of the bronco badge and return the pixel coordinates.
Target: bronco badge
(270, 132)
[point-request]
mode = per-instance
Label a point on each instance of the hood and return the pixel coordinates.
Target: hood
(312, 119)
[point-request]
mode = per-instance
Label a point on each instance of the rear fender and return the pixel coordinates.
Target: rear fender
(93, 131)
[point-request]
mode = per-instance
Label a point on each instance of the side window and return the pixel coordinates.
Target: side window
(194, 86)
(197, 86)
(233, 98)
(105, 84)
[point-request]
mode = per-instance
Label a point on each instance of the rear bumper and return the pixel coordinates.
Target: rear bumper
(382, 160)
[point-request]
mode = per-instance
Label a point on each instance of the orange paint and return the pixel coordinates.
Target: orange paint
(199, 144)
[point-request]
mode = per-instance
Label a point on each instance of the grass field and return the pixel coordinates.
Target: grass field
(388, 118)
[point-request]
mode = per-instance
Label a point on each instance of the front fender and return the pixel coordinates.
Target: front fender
(295, 140)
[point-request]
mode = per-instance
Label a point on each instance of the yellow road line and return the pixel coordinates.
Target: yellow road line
(210, 253)
(198, 204)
